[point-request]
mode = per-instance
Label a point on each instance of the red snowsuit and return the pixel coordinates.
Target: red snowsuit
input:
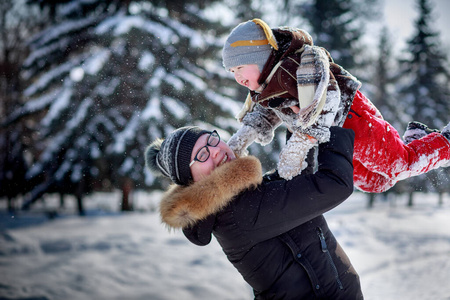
(380, 157)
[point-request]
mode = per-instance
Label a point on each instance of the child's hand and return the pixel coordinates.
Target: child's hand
(295, 108)
(293, 155)
(243, 138)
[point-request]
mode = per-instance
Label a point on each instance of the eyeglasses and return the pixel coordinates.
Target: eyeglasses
(203, 154)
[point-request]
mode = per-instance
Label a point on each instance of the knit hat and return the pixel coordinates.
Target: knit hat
(250, 42)
(171, 157)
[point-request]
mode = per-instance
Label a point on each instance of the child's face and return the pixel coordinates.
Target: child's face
(247, 75)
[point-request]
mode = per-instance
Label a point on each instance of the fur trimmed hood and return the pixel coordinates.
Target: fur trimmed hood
(183, 206)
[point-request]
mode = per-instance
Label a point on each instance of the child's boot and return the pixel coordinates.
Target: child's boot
(416, 130)
(446, 131)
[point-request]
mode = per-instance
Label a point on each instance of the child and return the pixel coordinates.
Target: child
(291, 81)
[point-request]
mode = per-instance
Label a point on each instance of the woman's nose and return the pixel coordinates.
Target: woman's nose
(214, 151)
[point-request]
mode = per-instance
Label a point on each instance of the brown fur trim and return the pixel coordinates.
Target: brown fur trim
(182, 206)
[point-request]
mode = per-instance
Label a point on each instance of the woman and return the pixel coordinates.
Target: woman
(274, 235)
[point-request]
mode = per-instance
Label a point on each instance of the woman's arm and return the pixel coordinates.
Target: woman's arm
(278, 206)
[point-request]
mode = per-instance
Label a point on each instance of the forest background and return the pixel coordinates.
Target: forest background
(85, 85)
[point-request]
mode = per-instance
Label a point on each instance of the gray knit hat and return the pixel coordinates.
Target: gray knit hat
(250, 42)
(171, 157)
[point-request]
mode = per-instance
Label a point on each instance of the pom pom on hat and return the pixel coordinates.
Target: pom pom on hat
(250, 42)
(151, 154)
(171, 157)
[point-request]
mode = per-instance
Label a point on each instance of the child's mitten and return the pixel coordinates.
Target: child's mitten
(243, 138)
(293, 155)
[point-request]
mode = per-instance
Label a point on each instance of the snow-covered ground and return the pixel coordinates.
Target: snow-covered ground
(400, 253)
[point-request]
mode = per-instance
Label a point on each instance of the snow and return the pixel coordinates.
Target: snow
(64, 29)
(196, 39)
(94, 64)
(56, 73)
(122, 138)
(157, 77)
(76, 74)
(122, 24)
(74, 6)
(399, 253)
(175, 107)
(152, 110)
(59, 104)
(70, 126)
(225, 103)
(146, 61)
(127, 165)
(38, 103)
(192, 78)
(174, 81)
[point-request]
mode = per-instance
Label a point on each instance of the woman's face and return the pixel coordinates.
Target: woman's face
(218, 155)
(247, 75)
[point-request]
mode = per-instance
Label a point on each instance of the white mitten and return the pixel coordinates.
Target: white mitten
(320, 133)
(293, 155)
(243, 138)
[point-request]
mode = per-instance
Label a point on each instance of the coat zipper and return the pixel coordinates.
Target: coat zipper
(324, 246)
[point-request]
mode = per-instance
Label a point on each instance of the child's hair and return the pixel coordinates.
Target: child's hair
(250, 42)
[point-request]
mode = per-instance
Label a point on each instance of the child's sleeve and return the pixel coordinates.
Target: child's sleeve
(258, 125)
(264, 122)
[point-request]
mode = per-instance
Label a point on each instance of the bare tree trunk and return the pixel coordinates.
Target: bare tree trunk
(79, 192)
(371, 201)
(410, 199)
(11, 207)
(127, 201)
(441, 199)
(81, 211)
(61, 200)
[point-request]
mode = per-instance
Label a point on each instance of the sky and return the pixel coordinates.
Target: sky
(400, 253)
(400, 16)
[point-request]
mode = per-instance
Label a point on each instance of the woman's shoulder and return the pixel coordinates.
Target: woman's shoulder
(183, 206)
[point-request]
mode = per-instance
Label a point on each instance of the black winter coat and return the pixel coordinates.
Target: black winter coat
(273, 231)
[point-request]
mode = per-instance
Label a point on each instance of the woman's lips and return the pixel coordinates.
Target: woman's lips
(224, 160)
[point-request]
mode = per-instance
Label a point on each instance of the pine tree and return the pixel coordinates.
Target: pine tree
(382, 92)
(110, 77)
(425, 91)
(16, 25)
(338, 26)
(379, 90)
